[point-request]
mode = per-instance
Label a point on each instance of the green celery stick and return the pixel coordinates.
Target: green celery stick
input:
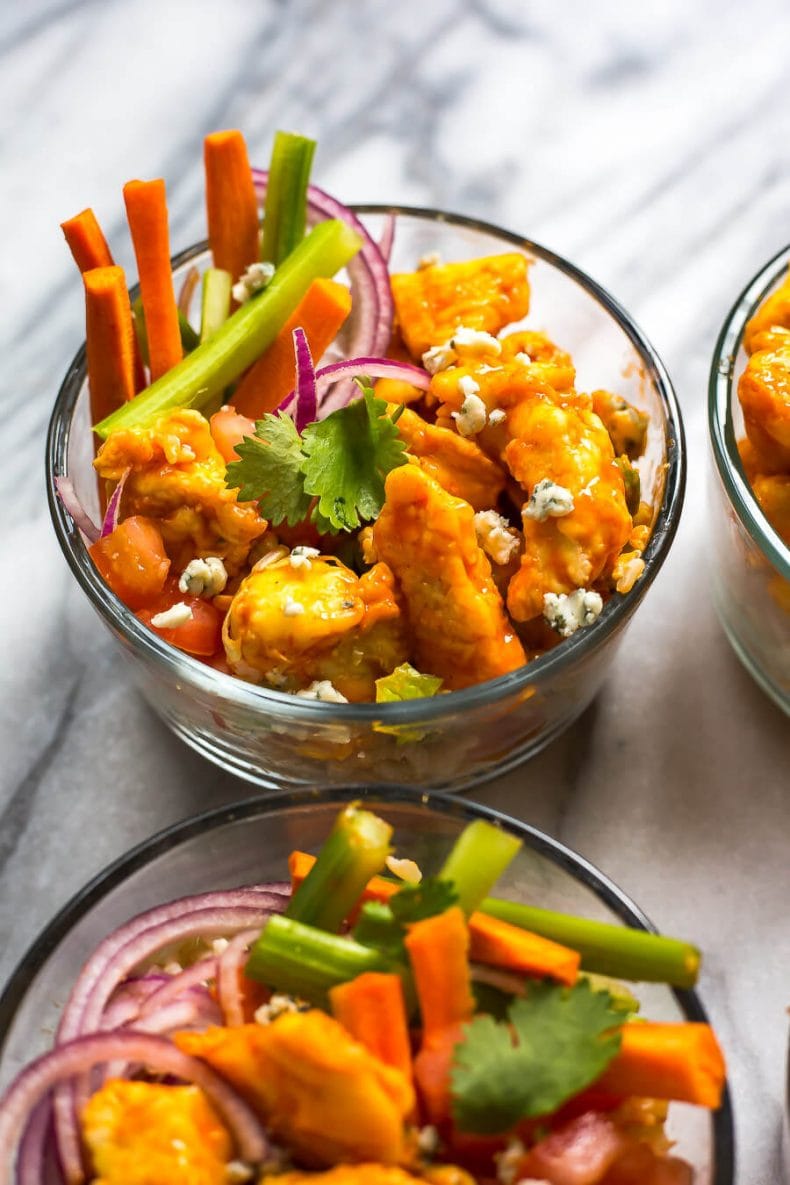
(622, 999)
(307, 962)
(215, 301)
(607, 949)
(285, 211)
(356, 849)
(479, 856)
(245, 335)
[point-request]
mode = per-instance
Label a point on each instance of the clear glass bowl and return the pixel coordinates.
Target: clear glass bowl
(452, 741)
(751, 563)
(250, 842)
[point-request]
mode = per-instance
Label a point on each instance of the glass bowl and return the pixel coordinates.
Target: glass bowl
(751, 563)
(250, 842)
(451, 741)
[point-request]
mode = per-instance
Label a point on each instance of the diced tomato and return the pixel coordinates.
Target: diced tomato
(133, 561)
(580, 1153)
(228, 428)
(640, 1166)
(201, 635)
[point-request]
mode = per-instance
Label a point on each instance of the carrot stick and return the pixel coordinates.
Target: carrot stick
(680, 1062)
(438, 948)
(372, 1009)
(321, 312)
(110, 340)
(231, 204)
(146, 210)
(86, 241)
(300, 863)
(502, 945)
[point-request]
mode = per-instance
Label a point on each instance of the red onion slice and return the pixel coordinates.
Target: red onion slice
(367, 271)
(387, 238)
(72, 504)
(156, 1053)
(35, 1146)
(112, 513)
(343, 394)
(229, 966)
(306, 408)
(194, 976)
(191, 281)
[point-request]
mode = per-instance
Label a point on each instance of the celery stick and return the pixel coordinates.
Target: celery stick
(305, 961)
(622, 999)
(285, 211)
(245, 335)
(357, 848)
(605, 948)
(479, 856)
(215, 301)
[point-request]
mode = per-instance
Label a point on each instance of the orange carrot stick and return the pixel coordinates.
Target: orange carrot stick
(438, 947)
(321, 312)
(680, 1062)
(86, 241)
(372, 1009)
(110, 340)
(146, 211)
(231, 204)
(500, 944)
(377, 888)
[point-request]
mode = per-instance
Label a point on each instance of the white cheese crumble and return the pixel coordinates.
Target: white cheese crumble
(523, 358)
(300, 556)
(203, 577)
(497, 416)
(292, 608)
(467, 385)
(278, 1005)
(172, 618)
(495, 535)
(548, 500)
(439, 358)
(256, 277)
(471, 419)
(507, 1162)
(322, 689)
(405, 869)
(219, 945)
(568, 612)
(428, 1140)
(236, 1172)
(474, 342)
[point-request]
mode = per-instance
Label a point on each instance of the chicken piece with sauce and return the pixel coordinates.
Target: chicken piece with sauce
(764, 393)
(304, 619)
(176, 475)
(459, 465)
(455, 612)
(145, 1133)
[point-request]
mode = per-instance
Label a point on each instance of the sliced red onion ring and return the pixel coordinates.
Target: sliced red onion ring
(370, 284)
(71, 503)
(128, 1000)
(229, 966)
(306, 409)
(113, 510)
(122, 951)
(387, 238)
(157, 1053)
(191, 281)
(374, 368)
(35, 1146)
(176, 985)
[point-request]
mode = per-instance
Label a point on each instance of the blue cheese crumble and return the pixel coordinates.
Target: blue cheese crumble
(256, 277)
(203, 577)
(548, 500)
(568, 612)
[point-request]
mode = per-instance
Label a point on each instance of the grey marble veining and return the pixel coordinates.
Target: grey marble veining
(649, 144)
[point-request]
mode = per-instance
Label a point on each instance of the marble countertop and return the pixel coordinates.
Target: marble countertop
(648, 144)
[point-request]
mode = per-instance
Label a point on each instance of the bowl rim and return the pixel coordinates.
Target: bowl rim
(720, 421)
(616, 612)
(137, 857)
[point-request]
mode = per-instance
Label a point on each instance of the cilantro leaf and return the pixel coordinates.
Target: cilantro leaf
(556, 1042)
(383, 926)
(269, 470)
(430, 896)
(347, 457)
(406, 683)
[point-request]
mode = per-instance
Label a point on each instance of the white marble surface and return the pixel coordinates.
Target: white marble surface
(647, 143)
